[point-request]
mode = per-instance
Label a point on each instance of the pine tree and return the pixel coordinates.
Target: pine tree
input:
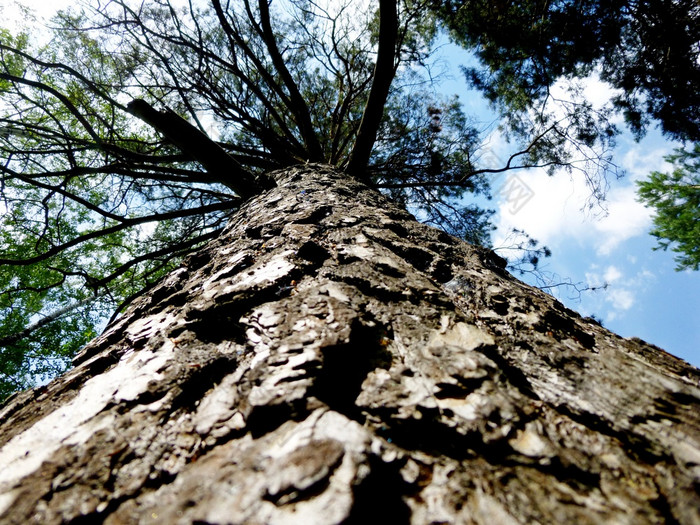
(289, 343)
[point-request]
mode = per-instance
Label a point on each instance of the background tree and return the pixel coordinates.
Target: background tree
(675, 197)
(648, 50)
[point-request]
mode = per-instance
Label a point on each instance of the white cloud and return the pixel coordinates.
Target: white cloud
(552, 212)
(640, 159)
(563, 207)
(616, 298)
(557, 210)
(597, 92)
(645, 276)
(559, 207)
(594, 277)
(621, 299)
(612, 274)
(621, 291)
(597, 278)
(593, 89)
(626, 218)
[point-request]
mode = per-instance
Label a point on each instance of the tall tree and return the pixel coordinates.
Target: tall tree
(649, 51)
(109, 177)
(324, 358)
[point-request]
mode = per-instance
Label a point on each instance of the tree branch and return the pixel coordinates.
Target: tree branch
(53, 316)
(235, 40)
(191, 141)
(173, 250)
(126, 223)
(297, 104)
(384, 72)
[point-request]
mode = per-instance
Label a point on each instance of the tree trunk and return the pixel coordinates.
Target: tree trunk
(328, 359)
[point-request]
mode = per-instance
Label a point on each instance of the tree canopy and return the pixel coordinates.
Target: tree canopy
(131, 133)
(647, 50)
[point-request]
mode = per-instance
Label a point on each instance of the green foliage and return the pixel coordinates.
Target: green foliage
(649, 50)
(675, 197)
(94, 208)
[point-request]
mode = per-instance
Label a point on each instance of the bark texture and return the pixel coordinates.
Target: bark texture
(330, 360)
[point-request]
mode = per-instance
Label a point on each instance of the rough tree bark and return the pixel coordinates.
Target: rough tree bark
(329, 359)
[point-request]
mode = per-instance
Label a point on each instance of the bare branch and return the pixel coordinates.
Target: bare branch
(126, 223)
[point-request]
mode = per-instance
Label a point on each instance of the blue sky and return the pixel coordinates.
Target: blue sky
(610, 243)
(645, 296)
